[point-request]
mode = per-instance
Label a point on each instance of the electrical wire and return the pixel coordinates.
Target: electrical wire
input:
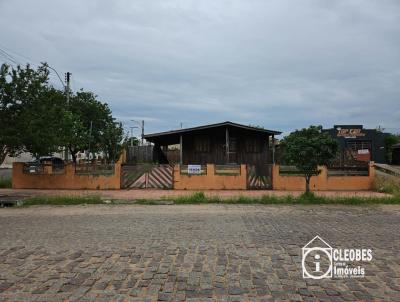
(30, 61)
(7, 55)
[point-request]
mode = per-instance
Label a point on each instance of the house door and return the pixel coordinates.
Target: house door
(232, 150)
(259, 177)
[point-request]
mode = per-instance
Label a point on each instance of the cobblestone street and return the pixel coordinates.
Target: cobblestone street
(191, 253)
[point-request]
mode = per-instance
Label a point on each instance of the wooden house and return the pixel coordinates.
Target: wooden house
(221, 144)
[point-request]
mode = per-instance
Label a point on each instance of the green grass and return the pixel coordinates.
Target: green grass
(310, 198)
(62, 200)
(201, 198)
(5, 183)
(387, 184)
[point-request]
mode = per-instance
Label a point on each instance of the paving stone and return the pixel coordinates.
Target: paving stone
(191, 253)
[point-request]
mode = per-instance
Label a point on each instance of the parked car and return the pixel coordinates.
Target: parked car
(37, 165)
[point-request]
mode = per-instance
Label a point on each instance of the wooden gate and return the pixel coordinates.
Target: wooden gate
(259, 177)
(147, 176)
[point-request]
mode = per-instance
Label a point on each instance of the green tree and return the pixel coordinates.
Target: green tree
(88, 123)
(309, 148)
(43, 120)
(112, 141)
(36, 118)
(20, 90)
(390, 140)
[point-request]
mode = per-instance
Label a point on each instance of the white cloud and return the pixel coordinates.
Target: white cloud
(280, 64)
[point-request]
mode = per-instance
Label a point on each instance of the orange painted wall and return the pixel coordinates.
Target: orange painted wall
(68, 180)
(323, 182)
(210, 181)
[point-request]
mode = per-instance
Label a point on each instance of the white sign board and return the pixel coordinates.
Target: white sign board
(194, 169)
(363, 151)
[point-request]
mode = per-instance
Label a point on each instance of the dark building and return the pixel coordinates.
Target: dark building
(222, 143)
(359, 144)
(396, 154)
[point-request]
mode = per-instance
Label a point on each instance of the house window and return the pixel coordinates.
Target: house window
(232, 144)
(359, 145)
(253, 145)
(202, 144)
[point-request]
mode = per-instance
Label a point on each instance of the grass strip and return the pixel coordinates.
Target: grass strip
(62, 200)
(306, 198)
(201, 198)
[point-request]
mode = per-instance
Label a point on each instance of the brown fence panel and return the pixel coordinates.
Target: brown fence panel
(160, 177)
(259, 177)
(139, 154)
(147, 176)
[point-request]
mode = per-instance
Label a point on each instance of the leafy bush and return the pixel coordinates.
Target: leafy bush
(197, 197)
(5, 183)
(387, 184)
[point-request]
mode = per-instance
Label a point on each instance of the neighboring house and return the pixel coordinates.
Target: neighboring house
(396, 154)
(23, 157)
(359, 143)
(27, 157)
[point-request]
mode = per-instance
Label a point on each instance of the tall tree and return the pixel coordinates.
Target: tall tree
(36, 118)
(88, 121)
(309, 148)
(43, 123)
(112, 141)
(390, 140)
(19, 87)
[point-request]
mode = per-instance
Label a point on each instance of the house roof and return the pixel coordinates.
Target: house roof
(223, 124)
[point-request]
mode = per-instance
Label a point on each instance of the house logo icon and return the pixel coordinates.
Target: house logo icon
(317, 259)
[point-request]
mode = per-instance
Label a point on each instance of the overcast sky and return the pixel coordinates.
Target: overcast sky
(278, 64)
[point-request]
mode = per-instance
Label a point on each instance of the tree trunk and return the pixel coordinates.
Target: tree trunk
(308, 184)
(73, 154)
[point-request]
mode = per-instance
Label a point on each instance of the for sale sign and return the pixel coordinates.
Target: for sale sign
(194, 169)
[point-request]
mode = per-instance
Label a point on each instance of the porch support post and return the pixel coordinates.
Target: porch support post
(227, 144)
(273, 148)
(181, 149)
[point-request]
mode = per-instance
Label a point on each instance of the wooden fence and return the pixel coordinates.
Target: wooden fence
(139, 154)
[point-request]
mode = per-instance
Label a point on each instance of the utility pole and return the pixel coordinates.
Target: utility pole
(67, 89)
(132, 135)
(90, 137)
(142, 132)
(67, 86)
(141, 124)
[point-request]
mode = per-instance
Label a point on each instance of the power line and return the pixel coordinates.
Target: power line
(18, 54)
(7, 55)
(30, 61)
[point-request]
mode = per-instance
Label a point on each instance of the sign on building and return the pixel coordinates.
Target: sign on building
(194, 169)
(349, 133)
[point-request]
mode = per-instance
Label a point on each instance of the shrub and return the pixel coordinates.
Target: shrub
(387, 184)
(5, 183)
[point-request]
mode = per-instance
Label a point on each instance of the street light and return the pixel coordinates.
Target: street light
(141, 125)
(132, 134)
